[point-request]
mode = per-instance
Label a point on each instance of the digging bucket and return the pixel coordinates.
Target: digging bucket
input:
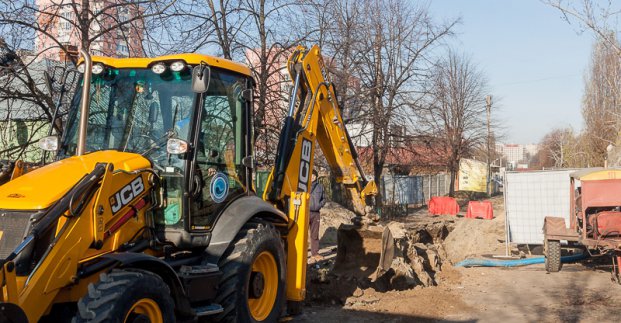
(364, 250)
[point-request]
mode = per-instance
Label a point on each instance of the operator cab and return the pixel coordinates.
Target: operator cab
(145, 107)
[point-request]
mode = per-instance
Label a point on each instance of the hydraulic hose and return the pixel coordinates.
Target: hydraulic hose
(514, 263)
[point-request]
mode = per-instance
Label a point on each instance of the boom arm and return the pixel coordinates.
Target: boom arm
(314, 116)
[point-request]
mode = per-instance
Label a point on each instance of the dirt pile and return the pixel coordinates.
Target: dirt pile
(332, 216)
(416, 259)
(474, 237)
(423, 249)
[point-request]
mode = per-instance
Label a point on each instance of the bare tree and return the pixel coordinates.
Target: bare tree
(50, 25)
(393, 50)
(273, 29)
(600, 110)
(600, 17)
(26, 104)
(455, 111)
(601, 106)
(560, 148)
(43, 34)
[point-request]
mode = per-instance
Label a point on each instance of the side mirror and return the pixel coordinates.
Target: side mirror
(49, 143)
(200, 78)
(248, 161)
(176, 146)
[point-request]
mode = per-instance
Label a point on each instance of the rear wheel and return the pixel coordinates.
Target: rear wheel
(129, 297)
(253, 281)
(553, 256)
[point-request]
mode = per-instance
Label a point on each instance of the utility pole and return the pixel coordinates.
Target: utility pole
(488, 100)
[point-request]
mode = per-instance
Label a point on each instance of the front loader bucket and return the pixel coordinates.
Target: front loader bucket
(364, 251)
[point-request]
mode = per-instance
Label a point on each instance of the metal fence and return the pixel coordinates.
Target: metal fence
(413, 190)
(395, 190)
(402, 190)
(331, 188)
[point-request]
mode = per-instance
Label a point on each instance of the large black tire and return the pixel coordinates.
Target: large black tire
(553, 256)
(256, 241)
(121, 295)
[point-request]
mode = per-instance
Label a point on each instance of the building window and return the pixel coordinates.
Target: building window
(66, 20)
(122, 48)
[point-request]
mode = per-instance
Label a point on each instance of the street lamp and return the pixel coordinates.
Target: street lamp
(608, 150)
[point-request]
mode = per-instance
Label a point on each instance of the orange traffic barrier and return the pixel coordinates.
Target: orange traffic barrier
(439, 205)
(480, 209)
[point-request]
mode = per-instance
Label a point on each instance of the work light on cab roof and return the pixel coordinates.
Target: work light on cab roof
(177, 66)
(97, 68)
(158, 68)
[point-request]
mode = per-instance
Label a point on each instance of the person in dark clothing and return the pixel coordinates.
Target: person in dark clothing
(317, 200)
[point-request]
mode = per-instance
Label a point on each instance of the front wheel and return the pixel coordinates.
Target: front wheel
(128, 297)
(252, 287)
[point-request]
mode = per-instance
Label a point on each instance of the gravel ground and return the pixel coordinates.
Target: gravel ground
(525, 294)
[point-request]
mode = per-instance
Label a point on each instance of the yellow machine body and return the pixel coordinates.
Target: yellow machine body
(189, 58)
(317, 120)
(54, 280)
(109, 199)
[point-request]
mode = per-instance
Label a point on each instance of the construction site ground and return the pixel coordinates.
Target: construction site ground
(579, 293)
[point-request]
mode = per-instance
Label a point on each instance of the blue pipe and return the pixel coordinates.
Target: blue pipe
(514, 263)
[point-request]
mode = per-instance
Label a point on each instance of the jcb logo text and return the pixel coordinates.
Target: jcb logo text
(305, 157)
(126, 194)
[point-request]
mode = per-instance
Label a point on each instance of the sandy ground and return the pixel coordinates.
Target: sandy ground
(525, 294)
(521, 294)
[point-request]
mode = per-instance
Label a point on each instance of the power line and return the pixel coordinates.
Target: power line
(537, 80)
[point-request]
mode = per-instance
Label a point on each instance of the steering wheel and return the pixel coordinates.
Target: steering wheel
(149, 140)
(155, 151)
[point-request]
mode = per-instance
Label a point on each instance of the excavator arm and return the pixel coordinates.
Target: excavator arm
(314, 116)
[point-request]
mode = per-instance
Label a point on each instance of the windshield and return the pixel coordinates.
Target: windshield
(133, 110)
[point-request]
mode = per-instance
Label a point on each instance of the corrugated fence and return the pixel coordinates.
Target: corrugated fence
(396, 190)
(413, 190)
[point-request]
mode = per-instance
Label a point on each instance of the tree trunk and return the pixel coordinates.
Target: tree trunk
(452, 185)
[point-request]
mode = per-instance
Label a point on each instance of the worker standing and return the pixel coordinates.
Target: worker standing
(317, 201)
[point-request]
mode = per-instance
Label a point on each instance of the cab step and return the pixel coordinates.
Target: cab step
(208, 310)
(200, 282)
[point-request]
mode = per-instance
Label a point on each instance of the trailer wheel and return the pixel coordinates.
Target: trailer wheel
(253, 282)
(553, 256)
(127, 296)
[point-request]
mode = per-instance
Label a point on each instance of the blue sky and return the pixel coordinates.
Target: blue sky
(533, 59)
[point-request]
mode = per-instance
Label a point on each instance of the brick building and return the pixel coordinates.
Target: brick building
(59, 20)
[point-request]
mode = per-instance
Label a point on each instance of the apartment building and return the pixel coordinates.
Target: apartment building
(115, 21)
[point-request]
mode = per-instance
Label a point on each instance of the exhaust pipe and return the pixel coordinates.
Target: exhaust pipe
(86, 84)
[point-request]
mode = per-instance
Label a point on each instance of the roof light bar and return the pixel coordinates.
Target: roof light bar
(158, 68)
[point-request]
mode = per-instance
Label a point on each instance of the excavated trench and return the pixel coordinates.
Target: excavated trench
(415, 260)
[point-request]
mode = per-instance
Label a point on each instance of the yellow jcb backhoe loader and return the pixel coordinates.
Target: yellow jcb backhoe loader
(149, 214)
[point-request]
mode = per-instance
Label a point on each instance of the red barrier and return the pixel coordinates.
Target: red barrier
(439, 205)
(480, 209)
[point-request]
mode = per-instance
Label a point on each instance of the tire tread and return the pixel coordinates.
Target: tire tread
(553, 262)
